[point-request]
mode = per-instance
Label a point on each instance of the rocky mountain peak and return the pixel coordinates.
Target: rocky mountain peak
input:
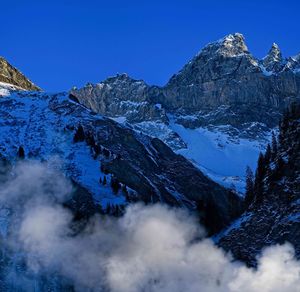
(120, 96)
(273, 61)
(11, 75)
(231, 45)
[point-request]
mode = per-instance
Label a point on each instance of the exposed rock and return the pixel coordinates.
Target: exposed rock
(149, 168)
(11, 75)
(120, 96)
(224, 74)
(273, 62)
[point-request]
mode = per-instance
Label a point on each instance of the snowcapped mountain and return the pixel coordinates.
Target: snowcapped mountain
(105, 154)
(224, 103)
(122, 141)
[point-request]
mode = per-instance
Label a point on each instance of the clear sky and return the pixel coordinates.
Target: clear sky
(59, 44)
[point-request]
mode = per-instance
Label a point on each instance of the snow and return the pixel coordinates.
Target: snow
(265, 71)
(27, 119)
(120, 120)
(235, 225)
(5, 89)
(214, 152)
(296, 70)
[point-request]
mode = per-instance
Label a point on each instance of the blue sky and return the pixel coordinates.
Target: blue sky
(60, 44)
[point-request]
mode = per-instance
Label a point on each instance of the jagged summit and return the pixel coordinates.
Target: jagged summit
(231, 45)
(273, 61)
(9, 74)
(120, 96)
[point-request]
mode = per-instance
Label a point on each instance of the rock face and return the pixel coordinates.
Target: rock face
(120, 96)
(11, 75)
(224, 73)
(223, 84)
(224, 89)
(274, 215)
(274, 62)
(150, 170)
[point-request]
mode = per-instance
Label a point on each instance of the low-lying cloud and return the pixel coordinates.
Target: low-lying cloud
(151, 248)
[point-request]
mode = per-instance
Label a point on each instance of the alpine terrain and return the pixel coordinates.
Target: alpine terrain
(70, 160)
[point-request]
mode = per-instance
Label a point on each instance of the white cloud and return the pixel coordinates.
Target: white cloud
(151, 248)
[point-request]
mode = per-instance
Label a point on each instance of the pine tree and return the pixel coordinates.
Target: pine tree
(21, 152)
(79, 135)
(124, 190)
(249, 194)
(90, 140)
(268, 155)
(274, 147)
(106, 153)
(97, 149)
(259, 179)
(115, 185)
(108, 208)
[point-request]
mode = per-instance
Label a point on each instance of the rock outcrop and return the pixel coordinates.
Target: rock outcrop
(274, 62)
(150, 170)
(120, 96)
(224, 84)
(224, 73)
(11, 75)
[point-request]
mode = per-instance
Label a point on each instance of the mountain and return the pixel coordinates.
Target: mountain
(223, 96)
(11, 75)
(273, 215)
(93, 149)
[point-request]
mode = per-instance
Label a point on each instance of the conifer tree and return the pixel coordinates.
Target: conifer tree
(268, 155)
(21, 152)
(115, 185)
(259, 179)
(274, 146)
(249, 194)
(79, 134)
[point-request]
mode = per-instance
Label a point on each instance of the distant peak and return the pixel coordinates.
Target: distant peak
(275, 53)
(234, 37)
(237, 40)
(273, 60)
(231, 45)
(122, 77)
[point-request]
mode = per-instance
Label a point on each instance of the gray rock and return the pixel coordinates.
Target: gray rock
(222, 85)
(120, 96)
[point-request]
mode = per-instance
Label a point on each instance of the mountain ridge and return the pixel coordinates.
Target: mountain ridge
(11, 75)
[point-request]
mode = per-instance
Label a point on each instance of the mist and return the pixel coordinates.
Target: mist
(150, 248)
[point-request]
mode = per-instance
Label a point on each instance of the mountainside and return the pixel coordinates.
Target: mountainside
(73, 162)
(225, 73)
(273, 215)
(11, 75)
(224, 95)
(114, 163)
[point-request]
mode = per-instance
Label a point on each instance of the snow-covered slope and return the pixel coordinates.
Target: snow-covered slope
(45, 126)
(39, 123)
(222, 158)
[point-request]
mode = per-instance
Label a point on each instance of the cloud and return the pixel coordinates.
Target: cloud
(151, 248)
